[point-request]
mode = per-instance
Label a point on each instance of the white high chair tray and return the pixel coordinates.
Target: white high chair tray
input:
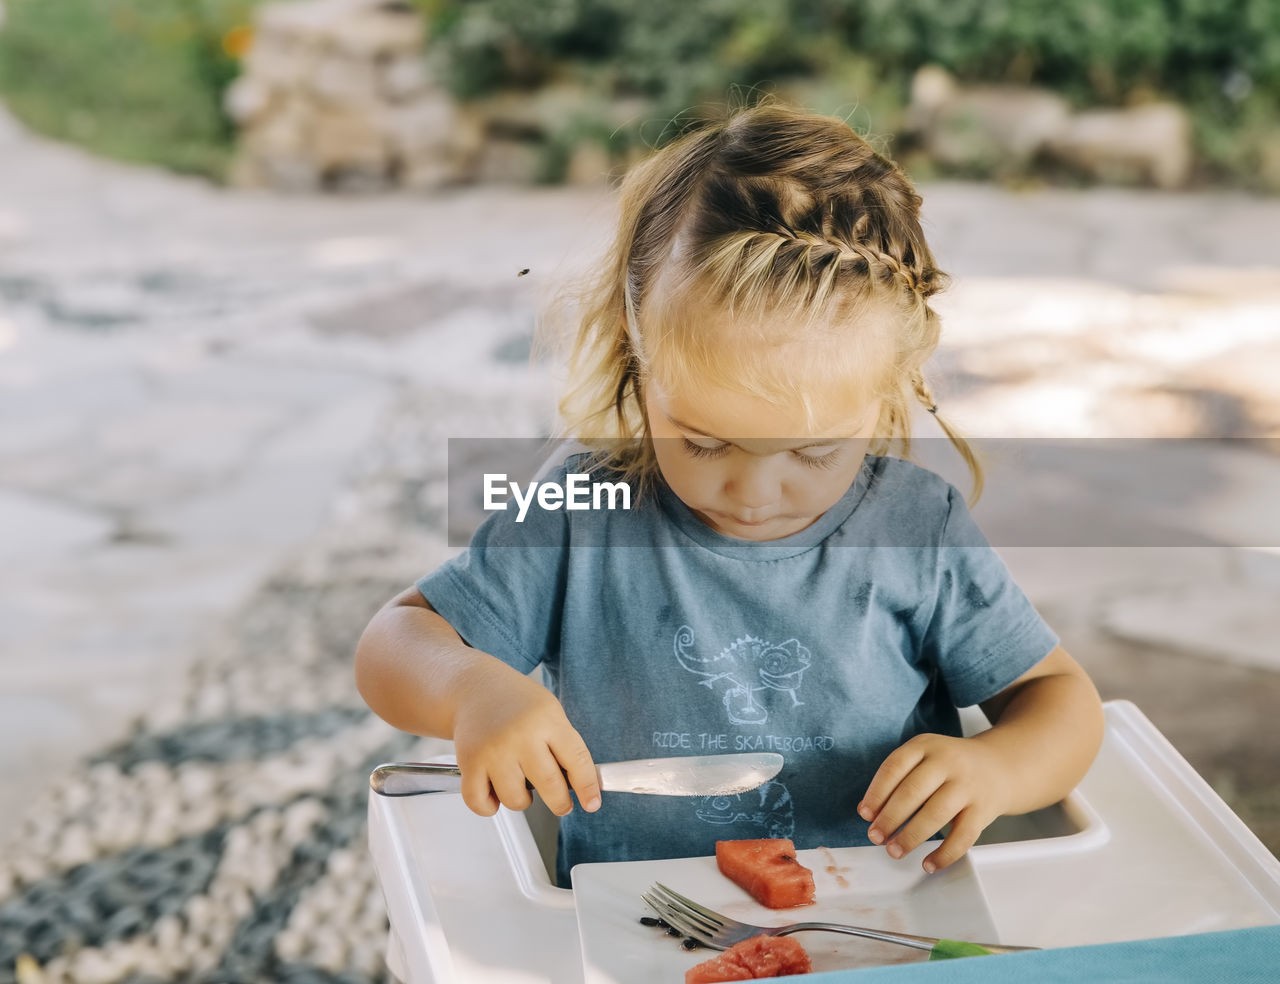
(861, 886)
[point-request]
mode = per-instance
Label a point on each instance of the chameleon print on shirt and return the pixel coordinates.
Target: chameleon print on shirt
(746, 668)
(768, 807)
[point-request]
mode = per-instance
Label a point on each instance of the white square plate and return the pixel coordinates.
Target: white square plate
(861, 886)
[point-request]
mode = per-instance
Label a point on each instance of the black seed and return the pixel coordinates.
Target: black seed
(648, 921)
(689, 943)
(672, 931)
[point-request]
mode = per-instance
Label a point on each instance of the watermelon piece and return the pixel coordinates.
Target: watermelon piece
(768, 870)
(750, 960)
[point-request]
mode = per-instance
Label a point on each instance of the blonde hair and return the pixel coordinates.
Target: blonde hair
(791, 223)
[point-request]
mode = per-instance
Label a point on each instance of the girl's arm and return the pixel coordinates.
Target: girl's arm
(1046, 730)
(418, 675)
(1047, 727)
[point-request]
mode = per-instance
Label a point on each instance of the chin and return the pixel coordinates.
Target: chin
(773, 529)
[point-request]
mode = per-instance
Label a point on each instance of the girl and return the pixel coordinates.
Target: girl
(748, 355)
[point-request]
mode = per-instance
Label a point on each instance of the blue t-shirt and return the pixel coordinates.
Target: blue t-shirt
(832, 646)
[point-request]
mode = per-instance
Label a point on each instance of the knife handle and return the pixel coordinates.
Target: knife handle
(414, 778)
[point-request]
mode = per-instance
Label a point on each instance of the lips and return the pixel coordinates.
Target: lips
(750, 522)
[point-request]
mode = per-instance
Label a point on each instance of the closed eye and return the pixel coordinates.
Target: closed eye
(704, 451)
(824, 456)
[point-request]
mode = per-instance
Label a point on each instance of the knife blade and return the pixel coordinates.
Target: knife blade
(686, 775)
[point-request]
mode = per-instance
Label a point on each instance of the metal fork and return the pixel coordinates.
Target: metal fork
(720, 932)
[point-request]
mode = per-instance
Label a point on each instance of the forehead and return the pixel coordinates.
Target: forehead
(816, 371)
(726, 414)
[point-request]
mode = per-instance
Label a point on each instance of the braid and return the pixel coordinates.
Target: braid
(924, 393)
(769, 252)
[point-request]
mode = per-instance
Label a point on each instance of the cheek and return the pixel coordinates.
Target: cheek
(688, 479)
(817, 491)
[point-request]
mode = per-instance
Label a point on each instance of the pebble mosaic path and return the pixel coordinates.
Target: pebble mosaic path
(223, 840)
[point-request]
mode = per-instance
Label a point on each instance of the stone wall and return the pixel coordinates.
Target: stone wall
(335, 94)
(1006, 130)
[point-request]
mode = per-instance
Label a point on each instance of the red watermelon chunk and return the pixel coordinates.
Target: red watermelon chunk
(768, 870)
(760, 956)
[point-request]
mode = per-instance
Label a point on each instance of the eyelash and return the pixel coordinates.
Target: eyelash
(698, 451)
(827, 460)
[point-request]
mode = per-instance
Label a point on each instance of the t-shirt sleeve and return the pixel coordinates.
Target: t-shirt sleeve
(984, 633)
(503, 594)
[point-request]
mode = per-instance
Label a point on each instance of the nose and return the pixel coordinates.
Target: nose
(753, 484)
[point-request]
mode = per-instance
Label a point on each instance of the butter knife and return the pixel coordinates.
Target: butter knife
(685, 775)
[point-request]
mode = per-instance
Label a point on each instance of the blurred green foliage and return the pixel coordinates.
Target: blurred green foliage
(140, 80)
(143, 79)
(1220, 58)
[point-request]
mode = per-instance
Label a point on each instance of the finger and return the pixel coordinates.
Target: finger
(575, 760)
(477, 793)
(964, 832)
(912, 793)
(938, 810)
(892, 771)
(509, 786)
(544, 772)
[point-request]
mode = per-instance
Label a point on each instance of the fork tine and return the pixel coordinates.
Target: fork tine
(710, 915)
(686, 915)
(676, 919)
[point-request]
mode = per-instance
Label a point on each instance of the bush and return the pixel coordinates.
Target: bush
(143, 79)
(1221, 60)
(140, 80)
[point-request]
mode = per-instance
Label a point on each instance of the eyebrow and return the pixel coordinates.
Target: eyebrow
(701, 433)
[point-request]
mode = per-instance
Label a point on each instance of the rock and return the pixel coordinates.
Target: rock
(289, 945)
(1150, 143)
(430, 147)
(380, 29)
(999, 129)
(75, 846)
(344, 139)
(358, 180)
(589, 164)
(510, 162)
(345, 80)
(247, 99)
(424, 126)
(1268, 163)
(996, 129)
(469, 134)
(426, 174)
(335, 94)
(280, 60)
(284, 134)
(368, 27)
(95, 967)
(404, 77)
(291, 174)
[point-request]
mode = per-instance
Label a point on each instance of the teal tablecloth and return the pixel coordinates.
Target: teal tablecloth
(1239, 956)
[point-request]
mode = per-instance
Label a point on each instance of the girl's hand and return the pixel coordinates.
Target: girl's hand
(928, 782)
(508, 728)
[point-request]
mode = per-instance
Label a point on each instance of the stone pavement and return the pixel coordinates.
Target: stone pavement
(188, 377)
